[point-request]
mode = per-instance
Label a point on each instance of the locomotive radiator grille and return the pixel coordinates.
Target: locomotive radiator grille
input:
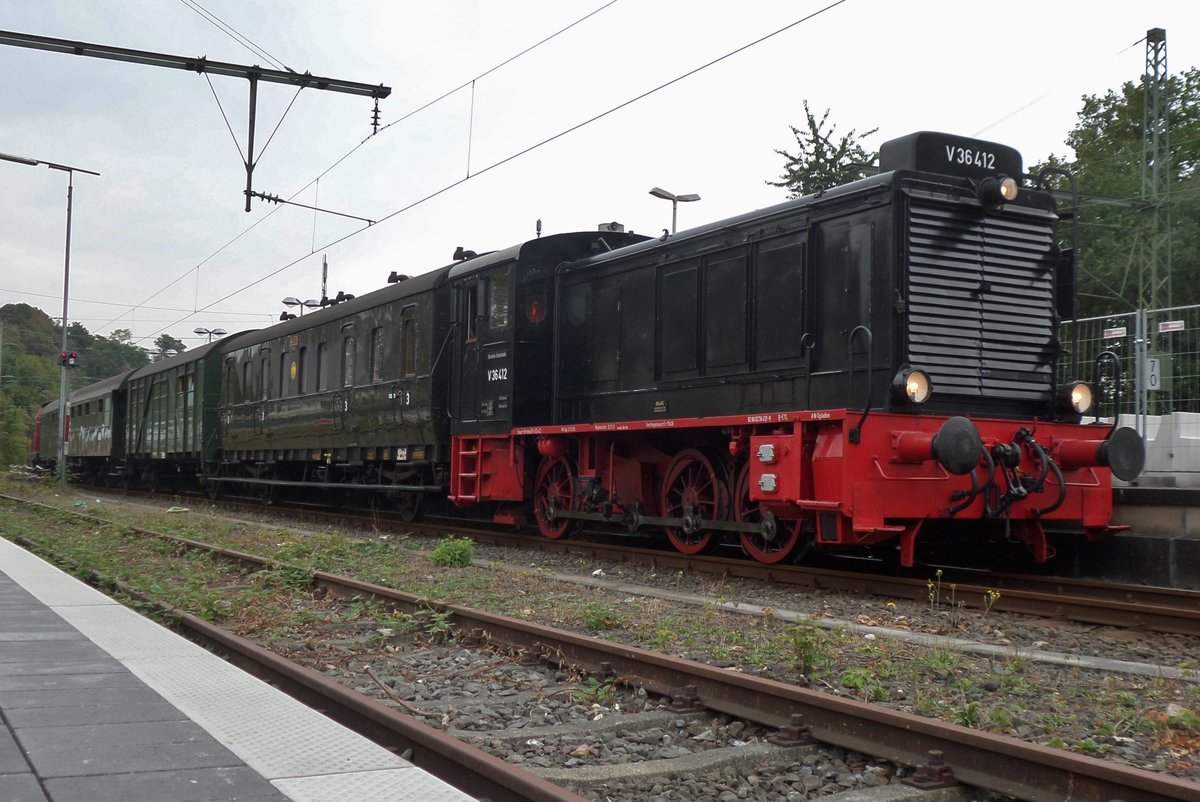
(980, 298)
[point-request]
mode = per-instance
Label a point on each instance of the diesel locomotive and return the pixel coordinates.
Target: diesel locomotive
(861, 367)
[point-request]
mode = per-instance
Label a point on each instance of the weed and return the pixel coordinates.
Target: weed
(291, 578)
(1056, 743)
(595, 692)
(1018, 663)
(967, 715)
(944, 660)
(435, 624)
(1089, 747)
(1002, 719)
(862, 680)
(663, 638)
(989, 601)
(601, 617)
(453, 552)
(809, 645)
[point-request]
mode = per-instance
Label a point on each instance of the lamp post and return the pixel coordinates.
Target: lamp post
(292, 301)
(210, 333)
(675, 200)
(62, 378)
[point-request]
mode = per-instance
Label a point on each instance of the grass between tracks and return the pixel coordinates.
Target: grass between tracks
(1148, 721)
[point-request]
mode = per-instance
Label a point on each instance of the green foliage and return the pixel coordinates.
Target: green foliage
(1108, 148)
(165, 342)
(453, 551)
(601, 617)
(810, 646)
(29, 365)
(822, 160)
(595, 692)
(436, 624)
(968, 715)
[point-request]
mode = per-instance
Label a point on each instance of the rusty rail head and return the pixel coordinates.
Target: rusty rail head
(996, 762)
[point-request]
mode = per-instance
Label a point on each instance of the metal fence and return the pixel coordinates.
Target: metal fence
(1147, 367)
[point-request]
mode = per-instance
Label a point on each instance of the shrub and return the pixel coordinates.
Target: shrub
(453, 551)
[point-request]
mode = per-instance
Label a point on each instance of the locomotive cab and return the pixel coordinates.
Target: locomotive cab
(501, 344)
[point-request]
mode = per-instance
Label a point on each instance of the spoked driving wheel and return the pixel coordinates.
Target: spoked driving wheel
(776, 541)
(553, 493)
(694, 491)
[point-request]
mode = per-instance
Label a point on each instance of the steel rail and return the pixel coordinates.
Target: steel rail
(995, 762)
(1154, 609)
(458, 763)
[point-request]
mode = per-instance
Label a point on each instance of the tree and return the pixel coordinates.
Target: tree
(822, 160)
(1108, 145)
(31, 371)
(165, 342)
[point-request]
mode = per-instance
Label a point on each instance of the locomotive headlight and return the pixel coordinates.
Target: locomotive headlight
(914, 384)
(994, 192)
(1079, 395)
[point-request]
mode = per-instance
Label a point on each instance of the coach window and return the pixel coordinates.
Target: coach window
(246, 393)
(408, 342)
(377, 343)
(264, 376)
(301, 358)
(474, 292)
(348, 362)
(322, 366)
(498, 301)
(283, 374)
(231, 378)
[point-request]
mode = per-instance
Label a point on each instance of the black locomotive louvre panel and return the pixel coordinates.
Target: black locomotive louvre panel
(980, 298)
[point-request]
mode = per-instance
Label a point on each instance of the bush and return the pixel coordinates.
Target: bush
(453, 551)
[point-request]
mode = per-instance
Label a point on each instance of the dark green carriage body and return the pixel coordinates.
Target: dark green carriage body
(44, 446)
(171, 418)
(96, 415)
(357, 385)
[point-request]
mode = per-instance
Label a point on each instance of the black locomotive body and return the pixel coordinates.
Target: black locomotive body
(845, 369)
(855, 367)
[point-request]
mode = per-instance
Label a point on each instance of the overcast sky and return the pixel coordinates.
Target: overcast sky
(160, 238)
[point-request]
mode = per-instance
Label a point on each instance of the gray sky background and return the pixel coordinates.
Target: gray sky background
(161, 241)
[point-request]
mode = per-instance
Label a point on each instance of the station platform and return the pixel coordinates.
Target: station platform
(99, 703)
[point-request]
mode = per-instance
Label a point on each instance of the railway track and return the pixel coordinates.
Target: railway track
(703, 697)
(1142, 607)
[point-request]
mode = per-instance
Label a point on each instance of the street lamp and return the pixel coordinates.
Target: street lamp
(675, 200)
(210, 333)
(62, 377)
(291, 301)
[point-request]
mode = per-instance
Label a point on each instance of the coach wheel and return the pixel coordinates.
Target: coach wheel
(694, 485)
(410, 504)
(552, 493)
(775, 543)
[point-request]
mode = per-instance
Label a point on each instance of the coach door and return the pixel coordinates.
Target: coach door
(483, 376)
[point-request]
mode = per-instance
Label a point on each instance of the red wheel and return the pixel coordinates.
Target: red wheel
(758, 545)
(693, 482)
(553, 489)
